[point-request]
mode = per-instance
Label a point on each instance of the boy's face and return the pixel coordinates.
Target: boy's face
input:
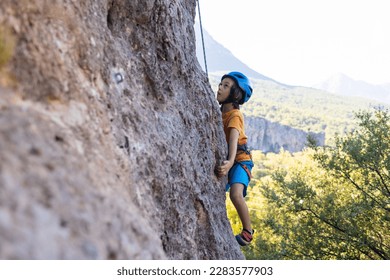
(224, 89)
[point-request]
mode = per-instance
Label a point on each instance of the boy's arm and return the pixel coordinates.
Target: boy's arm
(227, 164)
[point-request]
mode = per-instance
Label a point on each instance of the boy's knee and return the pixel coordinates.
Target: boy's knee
(235, 197)
(236, 192)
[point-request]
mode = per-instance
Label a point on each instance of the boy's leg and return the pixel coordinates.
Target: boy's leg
(238, 200)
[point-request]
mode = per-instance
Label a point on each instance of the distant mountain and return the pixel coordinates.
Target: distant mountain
(344, 85)
(326, 109)
(220, 59)
(303, 108)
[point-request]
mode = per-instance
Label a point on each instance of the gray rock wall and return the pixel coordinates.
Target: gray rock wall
(269, 136)
(109, 135)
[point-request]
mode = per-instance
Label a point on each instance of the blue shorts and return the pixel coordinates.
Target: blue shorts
(237, 174)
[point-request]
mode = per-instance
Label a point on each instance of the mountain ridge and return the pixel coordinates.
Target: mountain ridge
(219, 58)
(342, 84)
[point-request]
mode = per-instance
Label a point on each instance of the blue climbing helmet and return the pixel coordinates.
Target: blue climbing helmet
(243, 82)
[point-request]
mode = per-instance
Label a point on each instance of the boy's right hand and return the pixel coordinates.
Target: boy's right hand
(223, 169)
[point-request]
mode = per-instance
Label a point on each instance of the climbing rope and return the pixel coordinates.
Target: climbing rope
(201, 33)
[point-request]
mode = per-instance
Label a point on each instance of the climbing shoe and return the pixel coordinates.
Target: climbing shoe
(245, 237)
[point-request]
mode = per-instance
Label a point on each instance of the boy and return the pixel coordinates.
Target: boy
(235, 89)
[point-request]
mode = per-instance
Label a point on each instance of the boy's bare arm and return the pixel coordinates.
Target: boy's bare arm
(227, 164)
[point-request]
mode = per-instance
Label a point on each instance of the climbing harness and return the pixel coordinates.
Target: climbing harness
(248, 172)
(246, 150)
(201, 33)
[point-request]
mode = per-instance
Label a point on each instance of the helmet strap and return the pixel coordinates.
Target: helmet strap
(230, 100)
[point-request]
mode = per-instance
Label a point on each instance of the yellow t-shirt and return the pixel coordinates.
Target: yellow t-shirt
(235, 119)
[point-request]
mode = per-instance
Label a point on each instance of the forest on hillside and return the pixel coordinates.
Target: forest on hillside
(324, 202)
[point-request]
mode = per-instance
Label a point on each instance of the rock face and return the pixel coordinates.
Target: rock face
(109, 135)
(272, 137)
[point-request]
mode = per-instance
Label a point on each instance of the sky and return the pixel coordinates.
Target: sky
(304, 42)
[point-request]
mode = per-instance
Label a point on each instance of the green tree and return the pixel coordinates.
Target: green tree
(361, 161)
(325, 203)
